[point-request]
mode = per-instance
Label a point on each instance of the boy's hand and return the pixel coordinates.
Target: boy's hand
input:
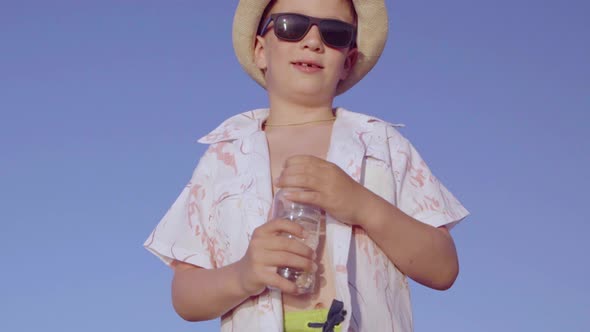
(267, 251)
(328, 187)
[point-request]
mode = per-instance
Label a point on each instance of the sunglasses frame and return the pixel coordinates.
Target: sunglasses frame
(312, 21)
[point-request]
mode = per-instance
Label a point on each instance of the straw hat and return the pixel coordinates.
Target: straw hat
(371, 36)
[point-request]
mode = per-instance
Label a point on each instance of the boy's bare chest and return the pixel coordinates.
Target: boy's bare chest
(281, 148)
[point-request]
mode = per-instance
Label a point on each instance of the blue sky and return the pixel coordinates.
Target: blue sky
(101, 103)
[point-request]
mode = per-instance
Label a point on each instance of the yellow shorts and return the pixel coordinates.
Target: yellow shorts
(297, 321)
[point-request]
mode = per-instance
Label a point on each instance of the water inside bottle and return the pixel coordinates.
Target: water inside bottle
(310, 231)
(305, 281)
(309, 217)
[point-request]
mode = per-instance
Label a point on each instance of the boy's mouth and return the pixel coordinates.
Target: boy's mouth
(307, 64)
(308, 67)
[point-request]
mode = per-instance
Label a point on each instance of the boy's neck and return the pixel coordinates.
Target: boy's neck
(285, 112)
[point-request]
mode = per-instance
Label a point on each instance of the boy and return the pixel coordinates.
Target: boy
(387, 216)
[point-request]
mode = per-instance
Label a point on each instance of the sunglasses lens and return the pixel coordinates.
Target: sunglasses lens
(291, 27)
(336, 33)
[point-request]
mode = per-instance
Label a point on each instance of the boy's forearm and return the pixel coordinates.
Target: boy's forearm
(424, 253)
(203, 294)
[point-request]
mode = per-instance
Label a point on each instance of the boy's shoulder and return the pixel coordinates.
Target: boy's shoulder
(370, 121)
(376, 128)
(237, 126)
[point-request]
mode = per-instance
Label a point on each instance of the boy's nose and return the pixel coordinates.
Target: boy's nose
(313, 40)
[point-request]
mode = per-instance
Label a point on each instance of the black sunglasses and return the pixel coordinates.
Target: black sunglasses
(293, 27)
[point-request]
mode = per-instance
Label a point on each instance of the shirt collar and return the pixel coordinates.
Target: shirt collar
(236, 127)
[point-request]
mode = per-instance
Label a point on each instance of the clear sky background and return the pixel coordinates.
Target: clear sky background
(101, 103)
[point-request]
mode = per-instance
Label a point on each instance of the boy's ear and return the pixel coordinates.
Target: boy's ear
(349, 63)
(259, 56)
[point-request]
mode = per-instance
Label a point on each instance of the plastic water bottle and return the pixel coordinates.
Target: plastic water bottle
(309, 217)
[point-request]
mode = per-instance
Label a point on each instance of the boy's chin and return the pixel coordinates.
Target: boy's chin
(311, 97)
(310, 91)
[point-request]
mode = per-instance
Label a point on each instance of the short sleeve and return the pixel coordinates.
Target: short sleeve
(180, 234)
(418, 192)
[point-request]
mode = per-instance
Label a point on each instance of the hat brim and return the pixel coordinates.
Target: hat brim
(371, 37)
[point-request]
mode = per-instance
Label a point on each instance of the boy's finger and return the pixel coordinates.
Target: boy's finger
(282, 258)
(286, 286)
(306, 197)
(307, 181)
(302, 159)
(294, 246)
(295, 169)
(277, 226)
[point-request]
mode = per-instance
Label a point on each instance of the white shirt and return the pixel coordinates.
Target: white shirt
(230, 194)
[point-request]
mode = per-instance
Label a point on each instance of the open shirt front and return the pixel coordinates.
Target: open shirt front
(230, 194)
